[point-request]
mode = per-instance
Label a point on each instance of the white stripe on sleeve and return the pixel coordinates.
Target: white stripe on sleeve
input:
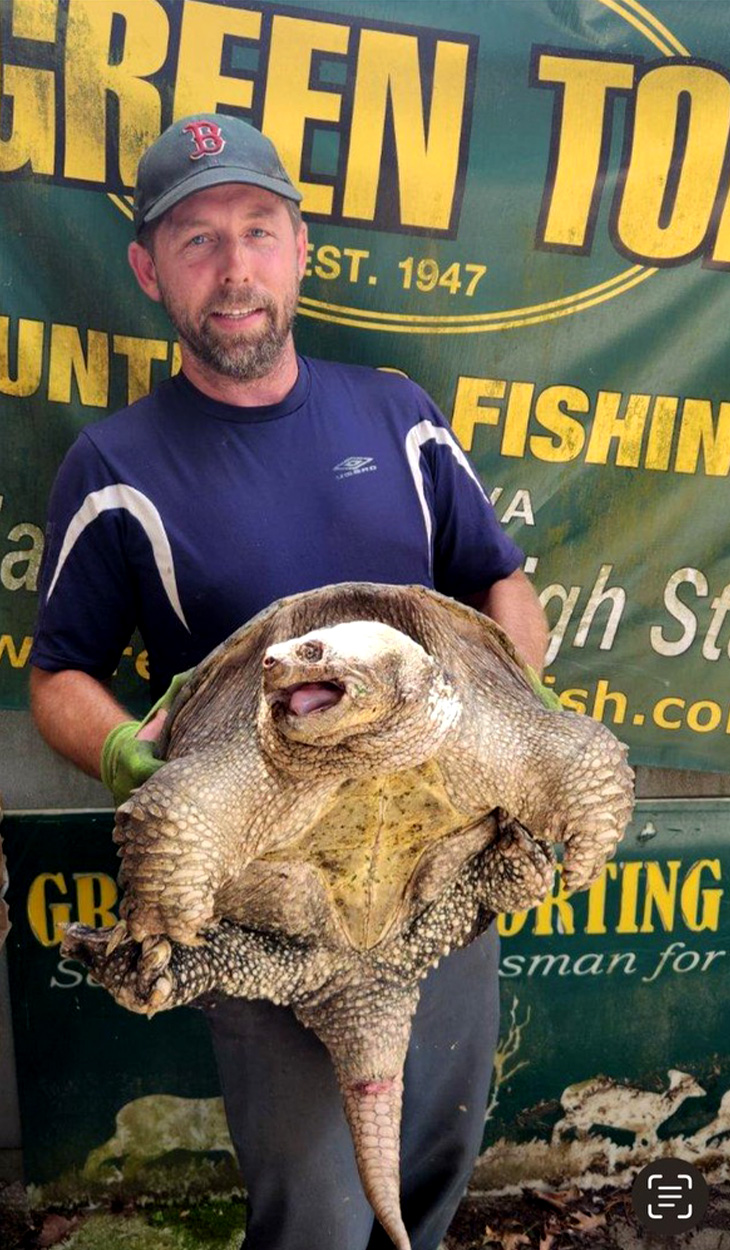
(144, 511)
(415, 438)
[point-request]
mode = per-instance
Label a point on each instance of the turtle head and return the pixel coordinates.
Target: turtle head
(360, 682)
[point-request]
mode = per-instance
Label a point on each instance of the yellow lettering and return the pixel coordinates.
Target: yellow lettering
(691, 894)
(704, 716)
(67, 361)
(517, 418)
(631, 872)
(698, 431)
(555, 902)
(18, 656)
(550, 411)
(140, 354)
(328, 262)
(46, 918)
(574, 699)
(574, 183)
(596, 918)
(661, 432)
(388, 67)
(603, 696)
(627, 430)
(508, 924)
(200, 87)
(659, 713)
(96, 894)
(660, 894)
(468, 409)
(29, 358)
(663, 216)
(291, 102)
(90, 74)
(35, 19)
(32, 141)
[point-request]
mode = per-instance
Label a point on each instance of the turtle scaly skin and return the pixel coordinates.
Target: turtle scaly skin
(358, 781)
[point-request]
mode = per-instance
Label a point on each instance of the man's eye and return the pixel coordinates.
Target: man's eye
(258, 232)
(197, 240)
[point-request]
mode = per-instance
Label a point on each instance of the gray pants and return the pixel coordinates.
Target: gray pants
(289, 1129)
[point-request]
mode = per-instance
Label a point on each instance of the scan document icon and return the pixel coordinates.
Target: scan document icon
(670, 1196)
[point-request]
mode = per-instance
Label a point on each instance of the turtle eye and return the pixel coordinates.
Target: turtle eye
(311, 651)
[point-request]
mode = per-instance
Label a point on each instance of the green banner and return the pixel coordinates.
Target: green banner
(523, 206)
(613, 1043)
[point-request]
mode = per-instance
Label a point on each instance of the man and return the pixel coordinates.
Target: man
(193, 509)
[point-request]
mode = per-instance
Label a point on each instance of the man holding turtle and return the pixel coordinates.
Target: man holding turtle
(187, 513)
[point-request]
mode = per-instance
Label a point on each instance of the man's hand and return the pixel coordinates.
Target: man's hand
(128, 756)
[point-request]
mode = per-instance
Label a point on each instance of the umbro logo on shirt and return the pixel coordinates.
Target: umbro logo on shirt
(353, 465)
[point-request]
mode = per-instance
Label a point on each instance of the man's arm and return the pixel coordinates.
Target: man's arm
(74, 714)
(513, 604)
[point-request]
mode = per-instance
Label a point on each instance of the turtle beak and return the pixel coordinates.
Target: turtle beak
(298, 679)
(302, 698)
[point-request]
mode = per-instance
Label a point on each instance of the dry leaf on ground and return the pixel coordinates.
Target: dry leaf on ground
(510, 1241)
(56, 1228)
(585, 1222)
(560, 1198)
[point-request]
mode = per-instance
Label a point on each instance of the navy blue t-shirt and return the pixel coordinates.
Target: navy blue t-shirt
(184, 517)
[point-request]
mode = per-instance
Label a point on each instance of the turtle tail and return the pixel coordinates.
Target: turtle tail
(373, 1110)
(366, 1029)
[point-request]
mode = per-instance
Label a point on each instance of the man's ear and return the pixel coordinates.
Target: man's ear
(143, 267)
(302, 241)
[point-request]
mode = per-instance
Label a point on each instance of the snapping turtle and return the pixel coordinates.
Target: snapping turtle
(358, 780)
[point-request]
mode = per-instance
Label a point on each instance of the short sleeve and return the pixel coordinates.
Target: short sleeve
(86, 615)
(470, 549)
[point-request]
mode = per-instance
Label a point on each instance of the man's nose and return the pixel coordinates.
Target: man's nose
(234, 261)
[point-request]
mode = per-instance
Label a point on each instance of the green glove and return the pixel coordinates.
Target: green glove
(126, 760)
(546, 696)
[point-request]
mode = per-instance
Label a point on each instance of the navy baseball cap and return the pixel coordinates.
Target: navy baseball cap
(205, 150)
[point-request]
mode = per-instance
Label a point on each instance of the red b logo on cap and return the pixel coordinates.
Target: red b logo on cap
(207, 138)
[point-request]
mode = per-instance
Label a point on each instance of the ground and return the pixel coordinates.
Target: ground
(550, 1220)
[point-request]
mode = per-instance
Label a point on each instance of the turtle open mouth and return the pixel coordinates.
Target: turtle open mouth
(307, 697)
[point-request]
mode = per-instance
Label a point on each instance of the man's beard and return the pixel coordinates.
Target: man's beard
(244, 357)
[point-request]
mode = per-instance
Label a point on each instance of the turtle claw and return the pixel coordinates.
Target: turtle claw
(161, 991)
(118, 935)
(155, 955)
(580, 870)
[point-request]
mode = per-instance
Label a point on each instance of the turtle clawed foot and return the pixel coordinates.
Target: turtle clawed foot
(136, 974)
(585, 859)
(150, 985)
(577, 877)
(518, 870)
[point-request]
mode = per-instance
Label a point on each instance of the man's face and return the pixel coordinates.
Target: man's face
(228, 265)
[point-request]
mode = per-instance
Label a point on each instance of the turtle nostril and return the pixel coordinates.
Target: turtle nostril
(311, 651)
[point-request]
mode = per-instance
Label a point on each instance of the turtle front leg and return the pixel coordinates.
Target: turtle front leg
(158, 974)
(561, 776)
(178, 839)
(573, 786)
(597, 801)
